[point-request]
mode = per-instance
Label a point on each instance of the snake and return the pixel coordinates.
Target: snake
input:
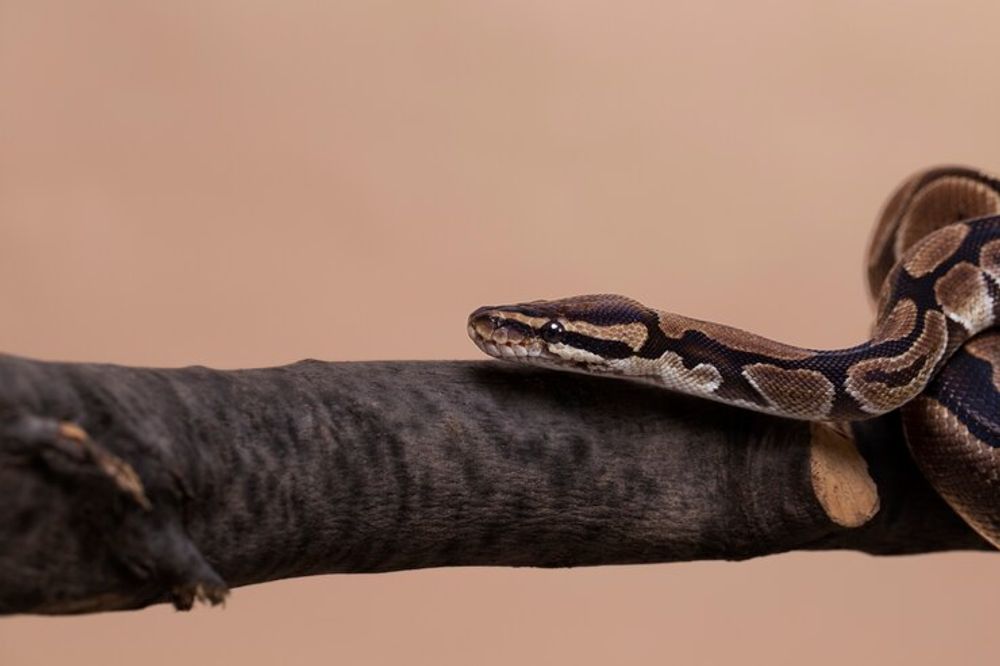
(933, 353)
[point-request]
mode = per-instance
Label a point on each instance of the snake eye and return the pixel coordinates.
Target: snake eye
(552, 332)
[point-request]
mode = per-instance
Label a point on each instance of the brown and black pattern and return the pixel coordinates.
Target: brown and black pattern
(935, 263)
(968, 194)
(953, 429)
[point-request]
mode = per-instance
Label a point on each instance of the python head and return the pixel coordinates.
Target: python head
(594, 333)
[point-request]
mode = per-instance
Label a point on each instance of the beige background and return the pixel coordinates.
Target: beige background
(250, 183)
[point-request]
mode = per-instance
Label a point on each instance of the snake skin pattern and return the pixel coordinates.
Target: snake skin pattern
(934, 271)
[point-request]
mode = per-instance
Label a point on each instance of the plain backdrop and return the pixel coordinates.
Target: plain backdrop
(246, 183)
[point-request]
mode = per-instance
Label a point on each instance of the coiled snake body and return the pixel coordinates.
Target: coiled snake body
(934, 269)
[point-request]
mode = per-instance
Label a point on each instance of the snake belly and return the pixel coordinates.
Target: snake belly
(934, 270)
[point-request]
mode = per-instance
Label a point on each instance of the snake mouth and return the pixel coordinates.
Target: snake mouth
(507, 339)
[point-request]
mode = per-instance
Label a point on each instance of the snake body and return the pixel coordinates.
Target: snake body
(934, 350)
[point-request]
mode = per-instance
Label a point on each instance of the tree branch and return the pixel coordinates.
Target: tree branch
(125, 487)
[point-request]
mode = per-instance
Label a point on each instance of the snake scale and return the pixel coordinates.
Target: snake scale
(934, 350)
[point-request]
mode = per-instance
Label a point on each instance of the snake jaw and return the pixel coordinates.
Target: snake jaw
(503, 342)
(565, 334)
(514, 339)
(508, 339)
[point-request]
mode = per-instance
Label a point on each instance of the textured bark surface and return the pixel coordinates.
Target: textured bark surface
(127, 486)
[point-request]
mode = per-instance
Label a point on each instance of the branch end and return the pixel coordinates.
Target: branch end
(840, 478)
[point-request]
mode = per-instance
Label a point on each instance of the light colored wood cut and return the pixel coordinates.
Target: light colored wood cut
(840, 478)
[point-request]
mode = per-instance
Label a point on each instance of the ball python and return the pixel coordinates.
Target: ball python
(933, 352)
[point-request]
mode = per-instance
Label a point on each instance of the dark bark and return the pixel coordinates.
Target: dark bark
(255, 475)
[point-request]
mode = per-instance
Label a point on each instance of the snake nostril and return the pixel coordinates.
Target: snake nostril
(483, 324)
